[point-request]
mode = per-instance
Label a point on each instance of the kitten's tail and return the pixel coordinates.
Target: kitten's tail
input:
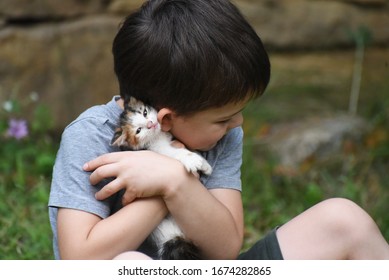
(180, 248)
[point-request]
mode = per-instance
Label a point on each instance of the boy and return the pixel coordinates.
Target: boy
(198, 62)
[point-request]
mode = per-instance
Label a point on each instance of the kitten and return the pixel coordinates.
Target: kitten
(140, 130)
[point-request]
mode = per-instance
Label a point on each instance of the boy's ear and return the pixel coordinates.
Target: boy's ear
(165, 117)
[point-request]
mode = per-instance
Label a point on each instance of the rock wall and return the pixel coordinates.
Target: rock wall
(62, 49)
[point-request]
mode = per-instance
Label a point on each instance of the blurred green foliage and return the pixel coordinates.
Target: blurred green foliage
(25, 171)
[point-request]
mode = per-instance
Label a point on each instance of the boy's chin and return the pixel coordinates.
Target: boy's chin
(206, 149)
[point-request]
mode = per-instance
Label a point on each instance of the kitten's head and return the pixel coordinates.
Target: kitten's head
(138, 126)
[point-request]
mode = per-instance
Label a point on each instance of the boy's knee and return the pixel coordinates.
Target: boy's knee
(345, 217)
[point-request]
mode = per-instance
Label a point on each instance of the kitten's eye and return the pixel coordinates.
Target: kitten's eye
(138, 130)
(145, 113)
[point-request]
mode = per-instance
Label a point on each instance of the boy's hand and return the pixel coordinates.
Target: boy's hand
(141, 173)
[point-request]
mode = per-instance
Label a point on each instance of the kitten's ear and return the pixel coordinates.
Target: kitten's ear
(130, 102)
(164, 118)
(119, 139)
(133, 101)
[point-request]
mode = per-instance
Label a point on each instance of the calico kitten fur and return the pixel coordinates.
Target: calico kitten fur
(140, 130)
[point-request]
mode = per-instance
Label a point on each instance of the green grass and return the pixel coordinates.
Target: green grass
(24, 188)
(269, 197)
(25, 232)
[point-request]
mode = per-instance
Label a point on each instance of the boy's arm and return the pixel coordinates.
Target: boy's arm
(212, 219)
(82, 235)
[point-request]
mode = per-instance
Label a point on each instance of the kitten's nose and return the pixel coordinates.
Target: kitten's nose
(150, 124)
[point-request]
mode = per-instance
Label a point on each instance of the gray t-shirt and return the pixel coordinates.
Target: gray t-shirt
(89, 136)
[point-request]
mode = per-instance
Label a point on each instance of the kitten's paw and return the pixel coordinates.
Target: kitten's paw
(195, 163)
(206, 168)
(192, 162)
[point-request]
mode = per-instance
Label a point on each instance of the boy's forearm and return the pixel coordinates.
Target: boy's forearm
(91, 238)
(205, 220)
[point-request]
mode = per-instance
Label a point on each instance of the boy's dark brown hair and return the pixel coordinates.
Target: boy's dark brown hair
(189, 55)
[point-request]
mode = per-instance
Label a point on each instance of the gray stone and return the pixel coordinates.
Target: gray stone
(124, 6)
(68, 64)
(314, 138)
(33, 9)
(304, 24)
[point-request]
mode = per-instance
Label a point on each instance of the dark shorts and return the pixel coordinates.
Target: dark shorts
(265, 249)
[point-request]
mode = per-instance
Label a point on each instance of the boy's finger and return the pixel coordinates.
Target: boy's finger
(99, 161)
(128, 197)
(103, 172)
(108, 190)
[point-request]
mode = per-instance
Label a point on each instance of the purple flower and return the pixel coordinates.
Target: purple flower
(17, 129)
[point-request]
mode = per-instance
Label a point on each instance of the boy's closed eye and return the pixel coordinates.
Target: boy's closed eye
(223, 121)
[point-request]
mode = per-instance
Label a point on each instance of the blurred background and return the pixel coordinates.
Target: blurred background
(321, 130)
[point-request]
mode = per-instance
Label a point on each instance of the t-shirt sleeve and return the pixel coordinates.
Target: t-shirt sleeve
(226, 162)
(81, 141)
